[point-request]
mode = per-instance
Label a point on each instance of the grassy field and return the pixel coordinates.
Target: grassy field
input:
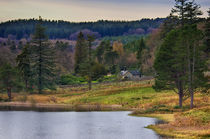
(136, 96)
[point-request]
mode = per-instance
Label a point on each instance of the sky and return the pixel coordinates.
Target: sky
(89, 10)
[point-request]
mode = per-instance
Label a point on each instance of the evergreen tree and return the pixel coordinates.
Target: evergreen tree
(170, 65)
(191, 38)
(186, 11)
(43, 65)
(9, 79)
(100, 52)
(110, 58)
(80, 53)
(193, 11)
(24, 65)
(139, 51)
(90, 61)
(179, 63)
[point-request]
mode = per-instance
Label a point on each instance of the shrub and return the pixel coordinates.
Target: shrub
(71, 80)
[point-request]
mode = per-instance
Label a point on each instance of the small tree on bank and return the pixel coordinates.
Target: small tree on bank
(9, 79)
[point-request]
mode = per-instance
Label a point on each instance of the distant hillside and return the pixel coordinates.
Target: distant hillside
(67, 30)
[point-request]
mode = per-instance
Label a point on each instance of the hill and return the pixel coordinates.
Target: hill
(22, 28)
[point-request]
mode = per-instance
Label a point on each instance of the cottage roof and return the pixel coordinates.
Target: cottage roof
(135, 72)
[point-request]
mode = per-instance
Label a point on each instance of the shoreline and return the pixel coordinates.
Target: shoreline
(42, 107)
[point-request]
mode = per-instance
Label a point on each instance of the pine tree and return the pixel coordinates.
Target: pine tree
(139, 51)
(191, 38)
(110, 57)
(9, 79)
(187, 11)
(43, 64)
(100, 52)
(80, 53)
(24, 65)
(179, 48)
(90, 60)
(170, 65)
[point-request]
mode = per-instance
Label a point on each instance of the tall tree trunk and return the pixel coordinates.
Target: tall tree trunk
(180, 98)
(90, 39)
(40, 68)
(192, 80)
(192, 98)
(89, 84)
(180, 94)
(9, 93)
(26, 85)
(190, 73)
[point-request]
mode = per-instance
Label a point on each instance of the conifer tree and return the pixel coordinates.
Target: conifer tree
(100, 52)
(43, 64)
(179, 48)
(170, 65)
(187, 12)
(80, 53)
(191, 38)
(24, 65)
(90, 60)
(110, 57)
(9, 79)
(139, 51)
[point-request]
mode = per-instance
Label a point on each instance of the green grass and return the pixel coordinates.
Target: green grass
(125, 97)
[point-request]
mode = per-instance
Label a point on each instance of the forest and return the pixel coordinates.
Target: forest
(66, 30)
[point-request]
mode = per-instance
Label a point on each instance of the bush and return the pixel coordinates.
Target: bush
(107, 78)
(71, 80)
(98, 71)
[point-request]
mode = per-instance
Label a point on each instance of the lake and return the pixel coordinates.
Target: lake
(74, 125)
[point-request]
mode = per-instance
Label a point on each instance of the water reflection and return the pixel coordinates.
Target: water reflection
(74, 125)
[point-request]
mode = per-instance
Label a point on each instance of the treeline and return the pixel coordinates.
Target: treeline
(18, 29)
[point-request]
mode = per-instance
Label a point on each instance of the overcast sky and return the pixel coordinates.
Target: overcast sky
(88, 10)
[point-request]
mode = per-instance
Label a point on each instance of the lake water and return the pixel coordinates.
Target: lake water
(74, 125)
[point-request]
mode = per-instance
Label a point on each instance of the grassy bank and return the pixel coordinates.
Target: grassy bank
(137, 96)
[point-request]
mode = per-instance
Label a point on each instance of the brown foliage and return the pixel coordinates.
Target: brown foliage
(6, 56)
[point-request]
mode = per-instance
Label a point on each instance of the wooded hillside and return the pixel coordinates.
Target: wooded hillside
(68, 30)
